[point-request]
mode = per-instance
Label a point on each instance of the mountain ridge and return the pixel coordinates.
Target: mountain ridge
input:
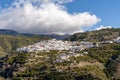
(15, 33)
(97, 35)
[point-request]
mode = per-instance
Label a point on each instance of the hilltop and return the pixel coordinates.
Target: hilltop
(97, 35)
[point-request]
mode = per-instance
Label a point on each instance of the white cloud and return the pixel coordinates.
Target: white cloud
(103, 27)
(44, 16)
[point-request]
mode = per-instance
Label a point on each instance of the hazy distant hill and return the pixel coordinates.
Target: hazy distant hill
(14, 33)
(97, 35)
(8, 32)
(58, 37)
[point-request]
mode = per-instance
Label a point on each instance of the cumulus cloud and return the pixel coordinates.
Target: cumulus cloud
(103, 27)
(44, 16)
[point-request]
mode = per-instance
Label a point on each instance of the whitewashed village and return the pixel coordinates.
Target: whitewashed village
(59, 45)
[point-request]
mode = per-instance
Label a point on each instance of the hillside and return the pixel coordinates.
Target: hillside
(97, 35)
(58, 37)
(60, 60)
(9, 43)
(99, 64)
(15, 33)
(9, 32)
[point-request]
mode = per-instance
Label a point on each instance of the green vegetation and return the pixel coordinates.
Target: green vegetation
(9, 43)
(11, 63)
(101, 35)
(104, 53)
(109, 55)
(113, 66)
(100, 63)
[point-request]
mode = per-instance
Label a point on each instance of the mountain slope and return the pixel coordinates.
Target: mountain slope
(98, 35)
(14, 33)
(58, 37)
(9, 32)
(9, 43)
(96, 65)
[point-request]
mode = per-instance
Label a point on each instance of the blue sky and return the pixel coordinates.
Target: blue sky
(106, 10)
(5, 3)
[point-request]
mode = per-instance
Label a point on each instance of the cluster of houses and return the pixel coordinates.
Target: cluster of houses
(66, 56)
(54, 44)
(117, 40)
(60, 45)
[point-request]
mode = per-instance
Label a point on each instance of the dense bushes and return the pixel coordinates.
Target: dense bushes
(104, 53)
(113, 64)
